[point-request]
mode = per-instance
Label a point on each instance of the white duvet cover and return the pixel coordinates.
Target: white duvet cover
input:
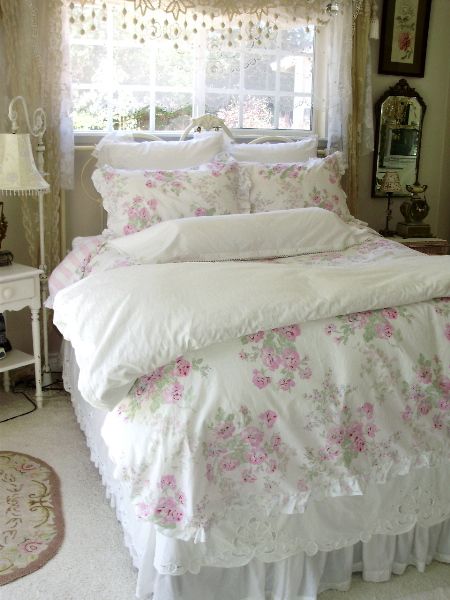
(245, 388)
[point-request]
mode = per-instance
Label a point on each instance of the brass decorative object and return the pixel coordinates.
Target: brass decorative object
(414, 210)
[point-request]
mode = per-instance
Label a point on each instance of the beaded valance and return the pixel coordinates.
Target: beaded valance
(230, 21)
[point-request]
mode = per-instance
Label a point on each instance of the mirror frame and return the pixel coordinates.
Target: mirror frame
(401, 88)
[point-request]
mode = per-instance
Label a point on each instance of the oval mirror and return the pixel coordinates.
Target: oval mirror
(398, 132)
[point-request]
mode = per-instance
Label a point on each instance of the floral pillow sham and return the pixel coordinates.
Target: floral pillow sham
(316, 182)
(137, 199)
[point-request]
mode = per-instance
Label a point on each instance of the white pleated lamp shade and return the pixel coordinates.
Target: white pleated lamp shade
(18, 171)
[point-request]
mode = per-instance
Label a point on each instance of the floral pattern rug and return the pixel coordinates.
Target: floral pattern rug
(31, 521)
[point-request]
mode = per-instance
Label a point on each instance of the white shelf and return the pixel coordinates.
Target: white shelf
(15, 359)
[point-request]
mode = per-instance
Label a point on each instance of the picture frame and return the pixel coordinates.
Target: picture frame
(403, 37)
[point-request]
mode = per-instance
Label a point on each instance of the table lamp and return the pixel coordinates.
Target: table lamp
(389, 185)
(19, 176)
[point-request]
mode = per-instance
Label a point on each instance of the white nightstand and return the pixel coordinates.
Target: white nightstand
(20, 287)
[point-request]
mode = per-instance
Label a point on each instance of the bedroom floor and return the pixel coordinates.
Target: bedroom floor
(93, 563)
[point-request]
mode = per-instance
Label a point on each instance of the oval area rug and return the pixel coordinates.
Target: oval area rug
(31, 521)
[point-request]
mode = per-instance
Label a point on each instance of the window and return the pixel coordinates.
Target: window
(119, 83)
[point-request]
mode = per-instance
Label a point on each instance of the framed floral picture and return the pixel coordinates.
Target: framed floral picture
(403, 39)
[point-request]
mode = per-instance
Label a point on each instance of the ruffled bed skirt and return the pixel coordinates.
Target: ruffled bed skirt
(298, 577)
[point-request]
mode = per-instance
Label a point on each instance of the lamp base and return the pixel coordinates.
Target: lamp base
(387, 232)
(6, 258)
(408, 230)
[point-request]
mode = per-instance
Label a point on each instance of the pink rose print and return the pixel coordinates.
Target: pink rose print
(229, 464)
(444, 404)
(371, 430)
(26, 467)
(181, 498)
(209, 472)
(260, 380)
(256, 337)
(31, 546)
(447, 331)
(286, 384)
(182, 367)
(384, 330)
(256, 456)
(407, 414)
(355, 430)
(253, 436)
(269, 417)
(129, 229)
(272, 465)
(330, 329)
(153, 204)
(336, 435)
(359, 444)
(167, 509)
(424, 408)
(367, 409)
(437, 422)
(425, 375)
(390, 313)
(248, 476)
(200, 212)
(174, 393)
(444, 384)
(143, 510)
(290, 331)
(275, 441)
(168, 481)
(270, 359)
(225, 430)
(290, 359)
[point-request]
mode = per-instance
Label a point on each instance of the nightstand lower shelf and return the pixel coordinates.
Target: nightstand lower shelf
(15, 359)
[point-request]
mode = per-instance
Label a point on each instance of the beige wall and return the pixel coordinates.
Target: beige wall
(434, 168)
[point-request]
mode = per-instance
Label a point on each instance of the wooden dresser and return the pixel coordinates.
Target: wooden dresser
(426, 245)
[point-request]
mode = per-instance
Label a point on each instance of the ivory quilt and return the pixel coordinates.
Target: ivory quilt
(262, 385)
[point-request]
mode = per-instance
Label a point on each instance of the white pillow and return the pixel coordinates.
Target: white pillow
(159, 154)
(137, 199)
(241, 237)
(316, 182)
(280, 152)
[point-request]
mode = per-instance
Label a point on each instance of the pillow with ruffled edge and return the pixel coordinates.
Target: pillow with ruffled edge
(120, 152)
(316, 182)
(137, 199)
(269, 153)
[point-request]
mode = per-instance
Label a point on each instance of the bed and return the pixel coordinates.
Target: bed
(263, 381)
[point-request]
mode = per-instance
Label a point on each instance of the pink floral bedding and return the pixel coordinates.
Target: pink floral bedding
(279, 417)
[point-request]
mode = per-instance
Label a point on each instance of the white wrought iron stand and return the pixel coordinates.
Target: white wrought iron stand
(37, 130)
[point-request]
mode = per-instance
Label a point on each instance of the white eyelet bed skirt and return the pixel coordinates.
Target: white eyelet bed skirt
(299, 577)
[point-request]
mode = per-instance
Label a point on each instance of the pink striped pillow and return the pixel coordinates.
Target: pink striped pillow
(74, 266)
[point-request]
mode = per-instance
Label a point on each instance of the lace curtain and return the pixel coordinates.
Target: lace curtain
(37, 67)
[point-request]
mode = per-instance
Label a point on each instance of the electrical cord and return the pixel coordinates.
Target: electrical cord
(50, 387)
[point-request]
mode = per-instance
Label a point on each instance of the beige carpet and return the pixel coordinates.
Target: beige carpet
(93, 563)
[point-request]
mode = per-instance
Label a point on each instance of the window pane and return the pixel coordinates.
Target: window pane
(132, 65)
(131, 109)
(223, 70)
(258, 112)
(88, 63)
(296, 74)
(260, 72)
(173, 111)
(173, 68)
(90, 109)
(225, 106)
(295, 113)
(298, 40)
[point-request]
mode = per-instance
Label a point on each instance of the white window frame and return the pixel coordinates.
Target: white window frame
(198, 92)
